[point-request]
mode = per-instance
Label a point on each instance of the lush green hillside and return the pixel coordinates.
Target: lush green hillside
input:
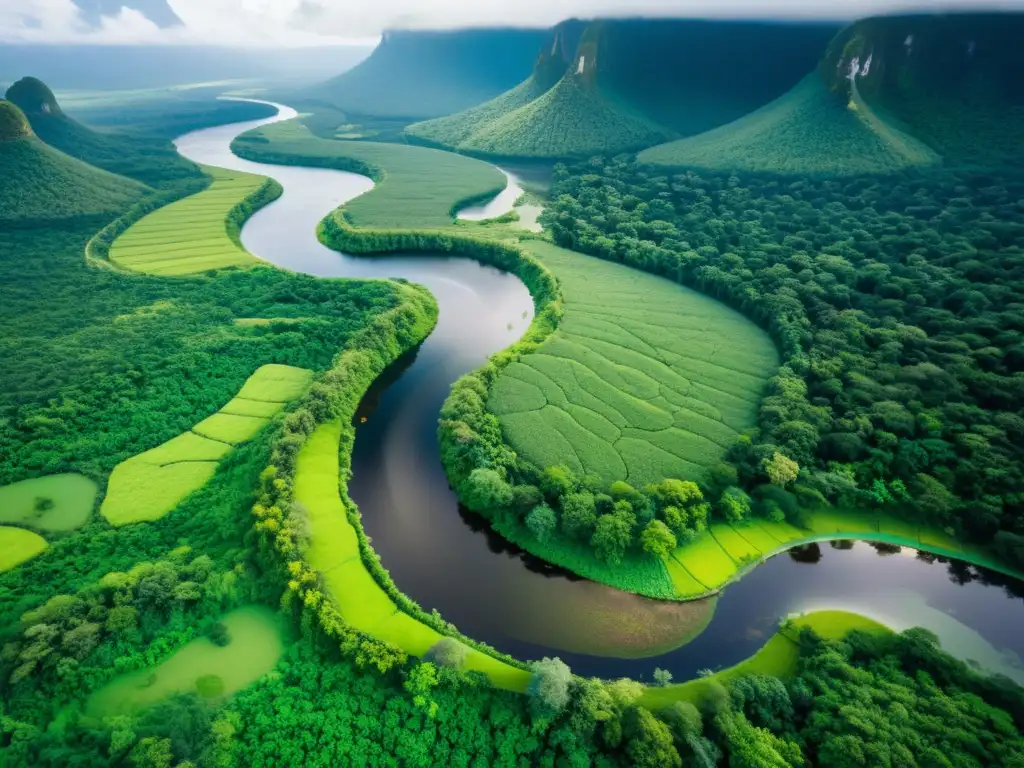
(41, 183)
(151, 161)
(809, 130)
(957, 81)
(428, 74)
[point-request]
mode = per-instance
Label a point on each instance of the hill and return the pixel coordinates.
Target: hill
(617, 85)
(43, 185)
(152, 161)
(956, 81)
(808, 131)
(423, 74)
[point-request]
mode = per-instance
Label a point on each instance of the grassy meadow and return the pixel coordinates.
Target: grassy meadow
(643, 380)
(54, 504)
(807, 131)
(18, 545)
(148, 486)
(416, 186)
(190, 235)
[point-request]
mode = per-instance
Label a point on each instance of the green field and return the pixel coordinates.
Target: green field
(778, 657)
(214, 672)
(148, 486)
(190, 235)
(18, 545)
(643, 380)
(807, 131)
(416, 187)
(333, 550)
(54, 503)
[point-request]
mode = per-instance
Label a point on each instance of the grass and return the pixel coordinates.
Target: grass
(215, 672)
(190, 235)
(333, 550)
(416, 187)
(809, 130)
(148, 486)
(69, 498)
(644, 379)
(778, 657)
(18, 545)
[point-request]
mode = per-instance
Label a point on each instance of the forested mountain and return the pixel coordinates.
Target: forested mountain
(40, 182)
(616, 85)
(151, 161)
(422, 74)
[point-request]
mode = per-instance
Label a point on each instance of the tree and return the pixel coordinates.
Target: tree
(420, 683)
(662, 677)
(612, 536)
(649, 741)
(657, 539)
(734, 504)
(542, 522)
(781, 469)
(557, 481)
(486, 490)
(447, 652)
(548, 688)
(579, 515)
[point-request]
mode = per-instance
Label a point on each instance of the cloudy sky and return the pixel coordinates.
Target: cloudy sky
(316, 22)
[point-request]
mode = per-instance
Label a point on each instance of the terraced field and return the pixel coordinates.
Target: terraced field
(334, 552)
(190, 235)
(643, 379)
(416, 187)
(148, 486)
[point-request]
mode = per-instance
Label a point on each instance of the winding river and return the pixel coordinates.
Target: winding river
(446, 560)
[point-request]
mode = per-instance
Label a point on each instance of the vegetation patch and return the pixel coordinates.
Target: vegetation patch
(808, 131)
(195, 234)
(779, 657)
(55, 503)
(643, 379)
(18, 545)
(416, 187)
(148, 486)
(254, 645)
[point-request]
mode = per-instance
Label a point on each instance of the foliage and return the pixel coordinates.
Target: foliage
(549, 686)
(892, 304)
(168, 117)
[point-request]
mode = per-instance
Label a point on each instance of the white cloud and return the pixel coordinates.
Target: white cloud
(319, 22)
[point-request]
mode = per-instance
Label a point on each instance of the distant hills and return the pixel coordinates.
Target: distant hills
(889, 93)
(44, 184)
(423, 74)
(151, 161)
(617, 85)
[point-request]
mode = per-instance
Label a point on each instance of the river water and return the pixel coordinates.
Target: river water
(446, 560)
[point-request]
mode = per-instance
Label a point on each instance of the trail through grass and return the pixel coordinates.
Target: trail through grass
(55, 503)
(190, 235)
(148, 486)
(333, 550)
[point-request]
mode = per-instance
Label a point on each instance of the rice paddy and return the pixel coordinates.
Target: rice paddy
(53, 504)
(778, 657)
(18, 545)
(190, 235)
(333, 550)
(150, 485)
(644, 379)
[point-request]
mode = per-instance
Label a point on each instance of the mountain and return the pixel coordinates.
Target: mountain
(956, 81)
(42, 185)
(152, 161)
(617, 85)
(422, 74)
(889, 93)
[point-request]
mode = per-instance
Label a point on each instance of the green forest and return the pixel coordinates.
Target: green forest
(739, 341)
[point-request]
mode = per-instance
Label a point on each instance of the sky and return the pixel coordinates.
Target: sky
(281, 23)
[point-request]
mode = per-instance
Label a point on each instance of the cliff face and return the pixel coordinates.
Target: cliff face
(978, 56)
